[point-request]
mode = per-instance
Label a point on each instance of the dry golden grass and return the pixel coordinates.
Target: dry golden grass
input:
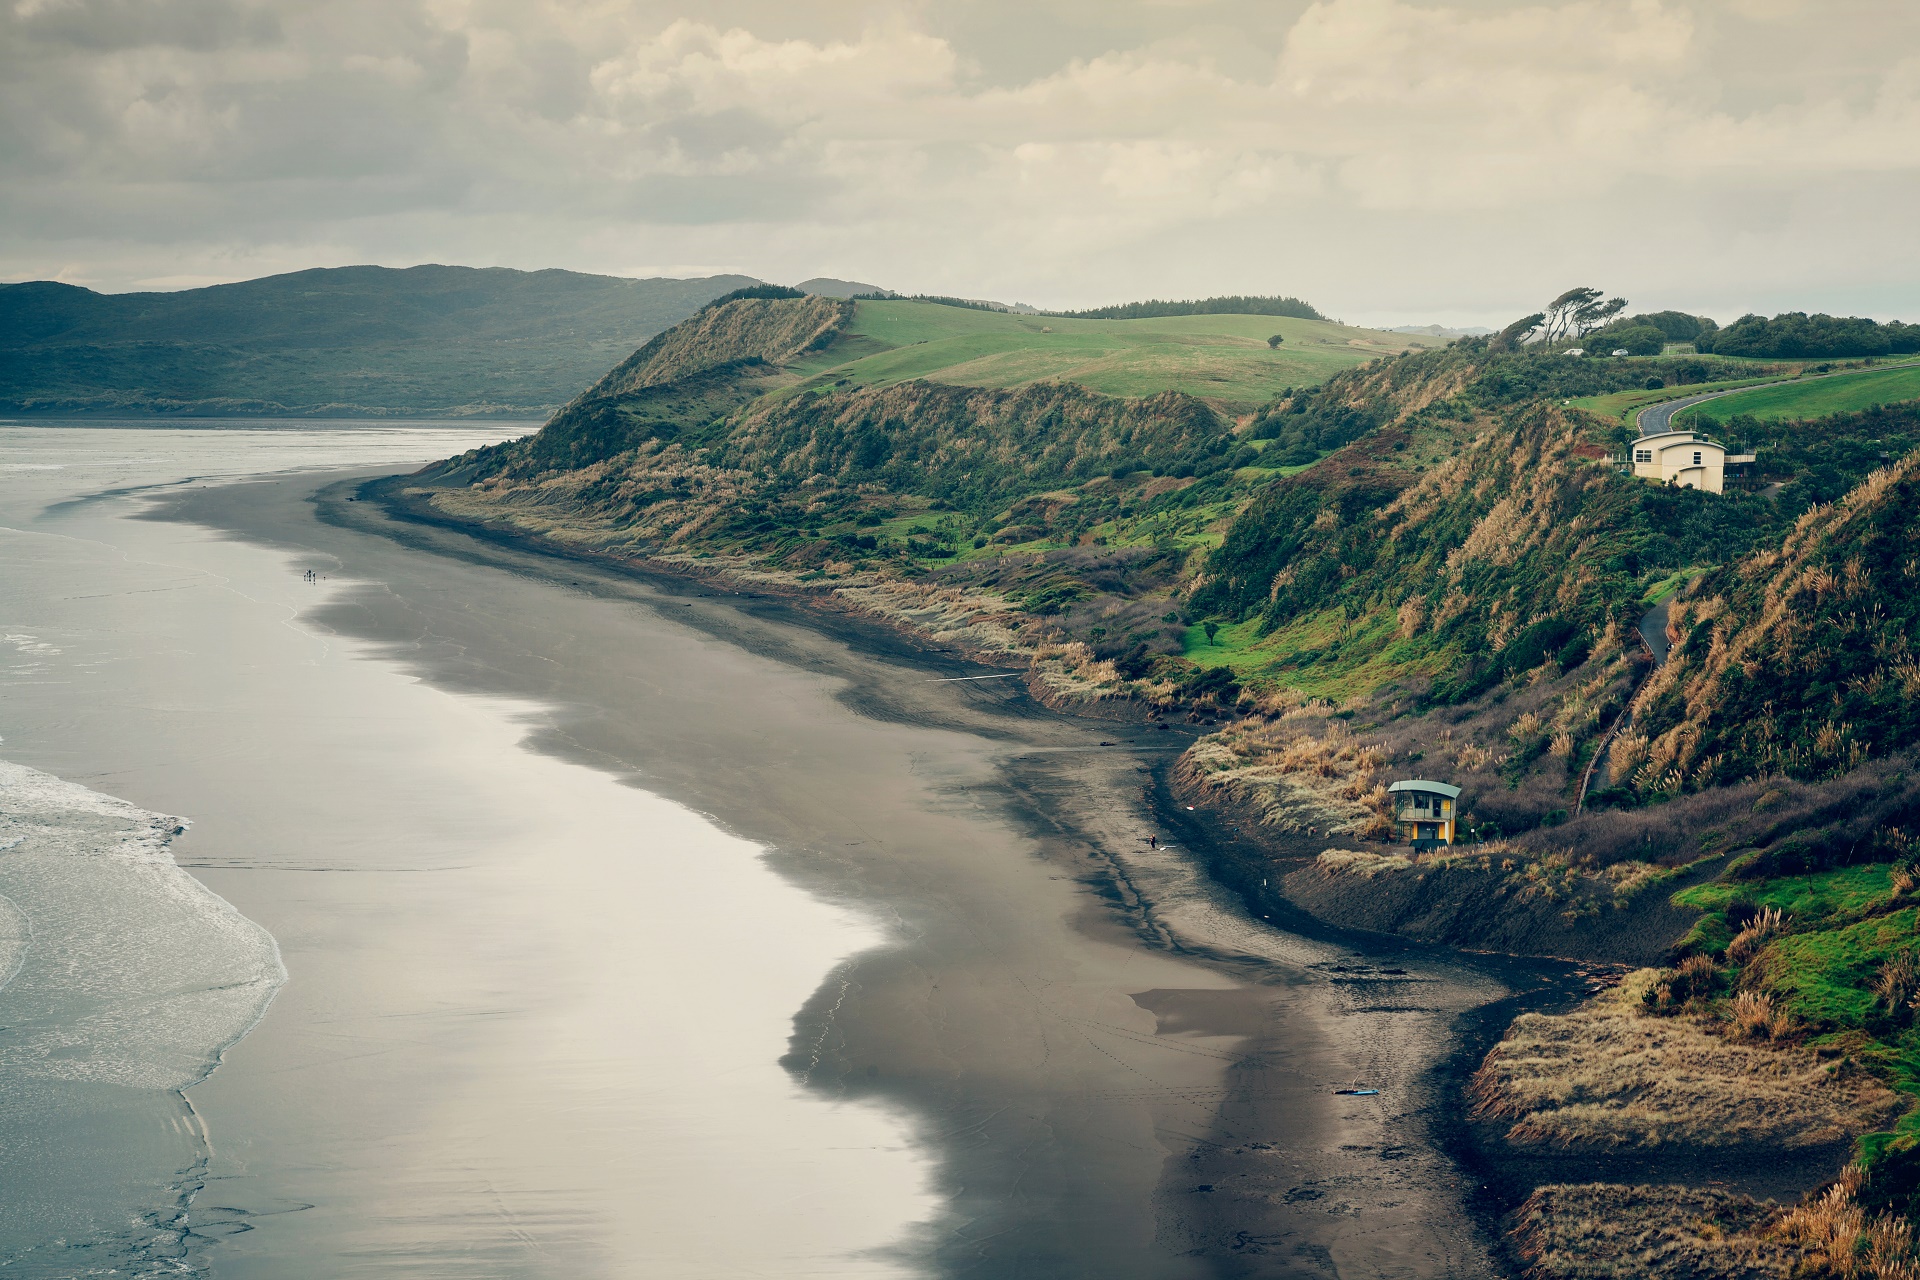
(1844, 1241)
(1610, 1074)
(1302, 772)
(1670, 1233)
(1601, 1231)
(1761, 930)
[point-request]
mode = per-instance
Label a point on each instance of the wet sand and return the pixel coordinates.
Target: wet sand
(1114, 1070)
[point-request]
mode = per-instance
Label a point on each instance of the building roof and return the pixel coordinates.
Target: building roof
(1679, 438)
(1419, 784)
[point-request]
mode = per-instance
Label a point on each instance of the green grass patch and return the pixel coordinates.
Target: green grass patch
(1671, 583)
(1221, 358)
(1818, 396)
(1826, 976)
(1811, 897)
(1325, 655)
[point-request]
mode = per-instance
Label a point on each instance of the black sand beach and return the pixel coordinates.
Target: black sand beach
(1117, 1071)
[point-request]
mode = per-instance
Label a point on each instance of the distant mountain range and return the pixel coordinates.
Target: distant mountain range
(377, 341)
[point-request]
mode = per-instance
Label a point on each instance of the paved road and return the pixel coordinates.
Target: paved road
(1653, 629)
(1659, 417)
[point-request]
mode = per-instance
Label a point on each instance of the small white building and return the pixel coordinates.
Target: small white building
(1685, 458)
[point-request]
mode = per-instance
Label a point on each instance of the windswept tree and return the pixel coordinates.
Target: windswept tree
(1274, 342)
(1517, 334)
(1578, 312)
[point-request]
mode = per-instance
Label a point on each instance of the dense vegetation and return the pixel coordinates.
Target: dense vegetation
(1821, 459)
(1798, 660)
(1796, 335)
(1523, 547)
(352, 340)
(1237, 305)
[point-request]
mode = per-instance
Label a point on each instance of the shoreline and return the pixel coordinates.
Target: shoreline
(1472, 1028)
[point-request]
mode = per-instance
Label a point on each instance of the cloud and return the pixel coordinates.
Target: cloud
(1351, 149)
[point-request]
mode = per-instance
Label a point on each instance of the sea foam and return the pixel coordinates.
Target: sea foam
(116, 966)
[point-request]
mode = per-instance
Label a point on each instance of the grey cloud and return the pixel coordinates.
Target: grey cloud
(1371, 154)
(102, 25)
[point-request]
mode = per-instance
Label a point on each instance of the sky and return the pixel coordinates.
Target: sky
(1391, 161)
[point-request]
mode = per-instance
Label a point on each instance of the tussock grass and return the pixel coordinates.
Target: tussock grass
(1601, 1231)
(1587, 1232)
(1300, 772)
(1610, 1074)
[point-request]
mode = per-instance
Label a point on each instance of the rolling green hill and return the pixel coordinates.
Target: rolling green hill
(352, 340)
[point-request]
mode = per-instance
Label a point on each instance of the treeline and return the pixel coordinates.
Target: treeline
(1796, 335)
(1517, 378)
(1237, 305)
(938, 299)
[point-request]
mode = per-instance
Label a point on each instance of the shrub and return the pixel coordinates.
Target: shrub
(1765, 926)
(1898, 982)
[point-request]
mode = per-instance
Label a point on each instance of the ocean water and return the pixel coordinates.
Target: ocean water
(122, 981)
(391, 994)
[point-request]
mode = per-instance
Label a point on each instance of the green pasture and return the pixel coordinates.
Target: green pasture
(1819, 396)
(1221, 358)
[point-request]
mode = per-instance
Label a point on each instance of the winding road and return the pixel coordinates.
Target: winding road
(1656, 418)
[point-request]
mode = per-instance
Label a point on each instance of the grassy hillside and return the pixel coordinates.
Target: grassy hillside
(351, 340)
(1224, 359)
(1797, 660)
(1817, 396)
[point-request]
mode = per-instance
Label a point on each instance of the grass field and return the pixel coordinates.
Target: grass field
(1816, 397)
(1624, 404)
(1223, 358)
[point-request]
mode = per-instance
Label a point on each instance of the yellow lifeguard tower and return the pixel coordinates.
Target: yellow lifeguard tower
(1427, 813)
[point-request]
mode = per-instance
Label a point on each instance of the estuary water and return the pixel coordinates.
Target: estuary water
(514, 1018)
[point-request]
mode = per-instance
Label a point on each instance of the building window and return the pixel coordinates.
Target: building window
(1643, 455)
(1419, 801)
(1696, 459)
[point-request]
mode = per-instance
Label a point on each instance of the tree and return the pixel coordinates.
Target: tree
(1578, 312)
(1596, 315)
(1515, 335)
(1275, 341)
(1212, 629)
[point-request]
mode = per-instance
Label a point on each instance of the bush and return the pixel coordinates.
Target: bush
(1654, 384)
(1217, 683)
(1635, 340)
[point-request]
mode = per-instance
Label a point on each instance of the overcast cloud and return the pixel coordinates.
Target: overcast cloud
(1389, 160)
